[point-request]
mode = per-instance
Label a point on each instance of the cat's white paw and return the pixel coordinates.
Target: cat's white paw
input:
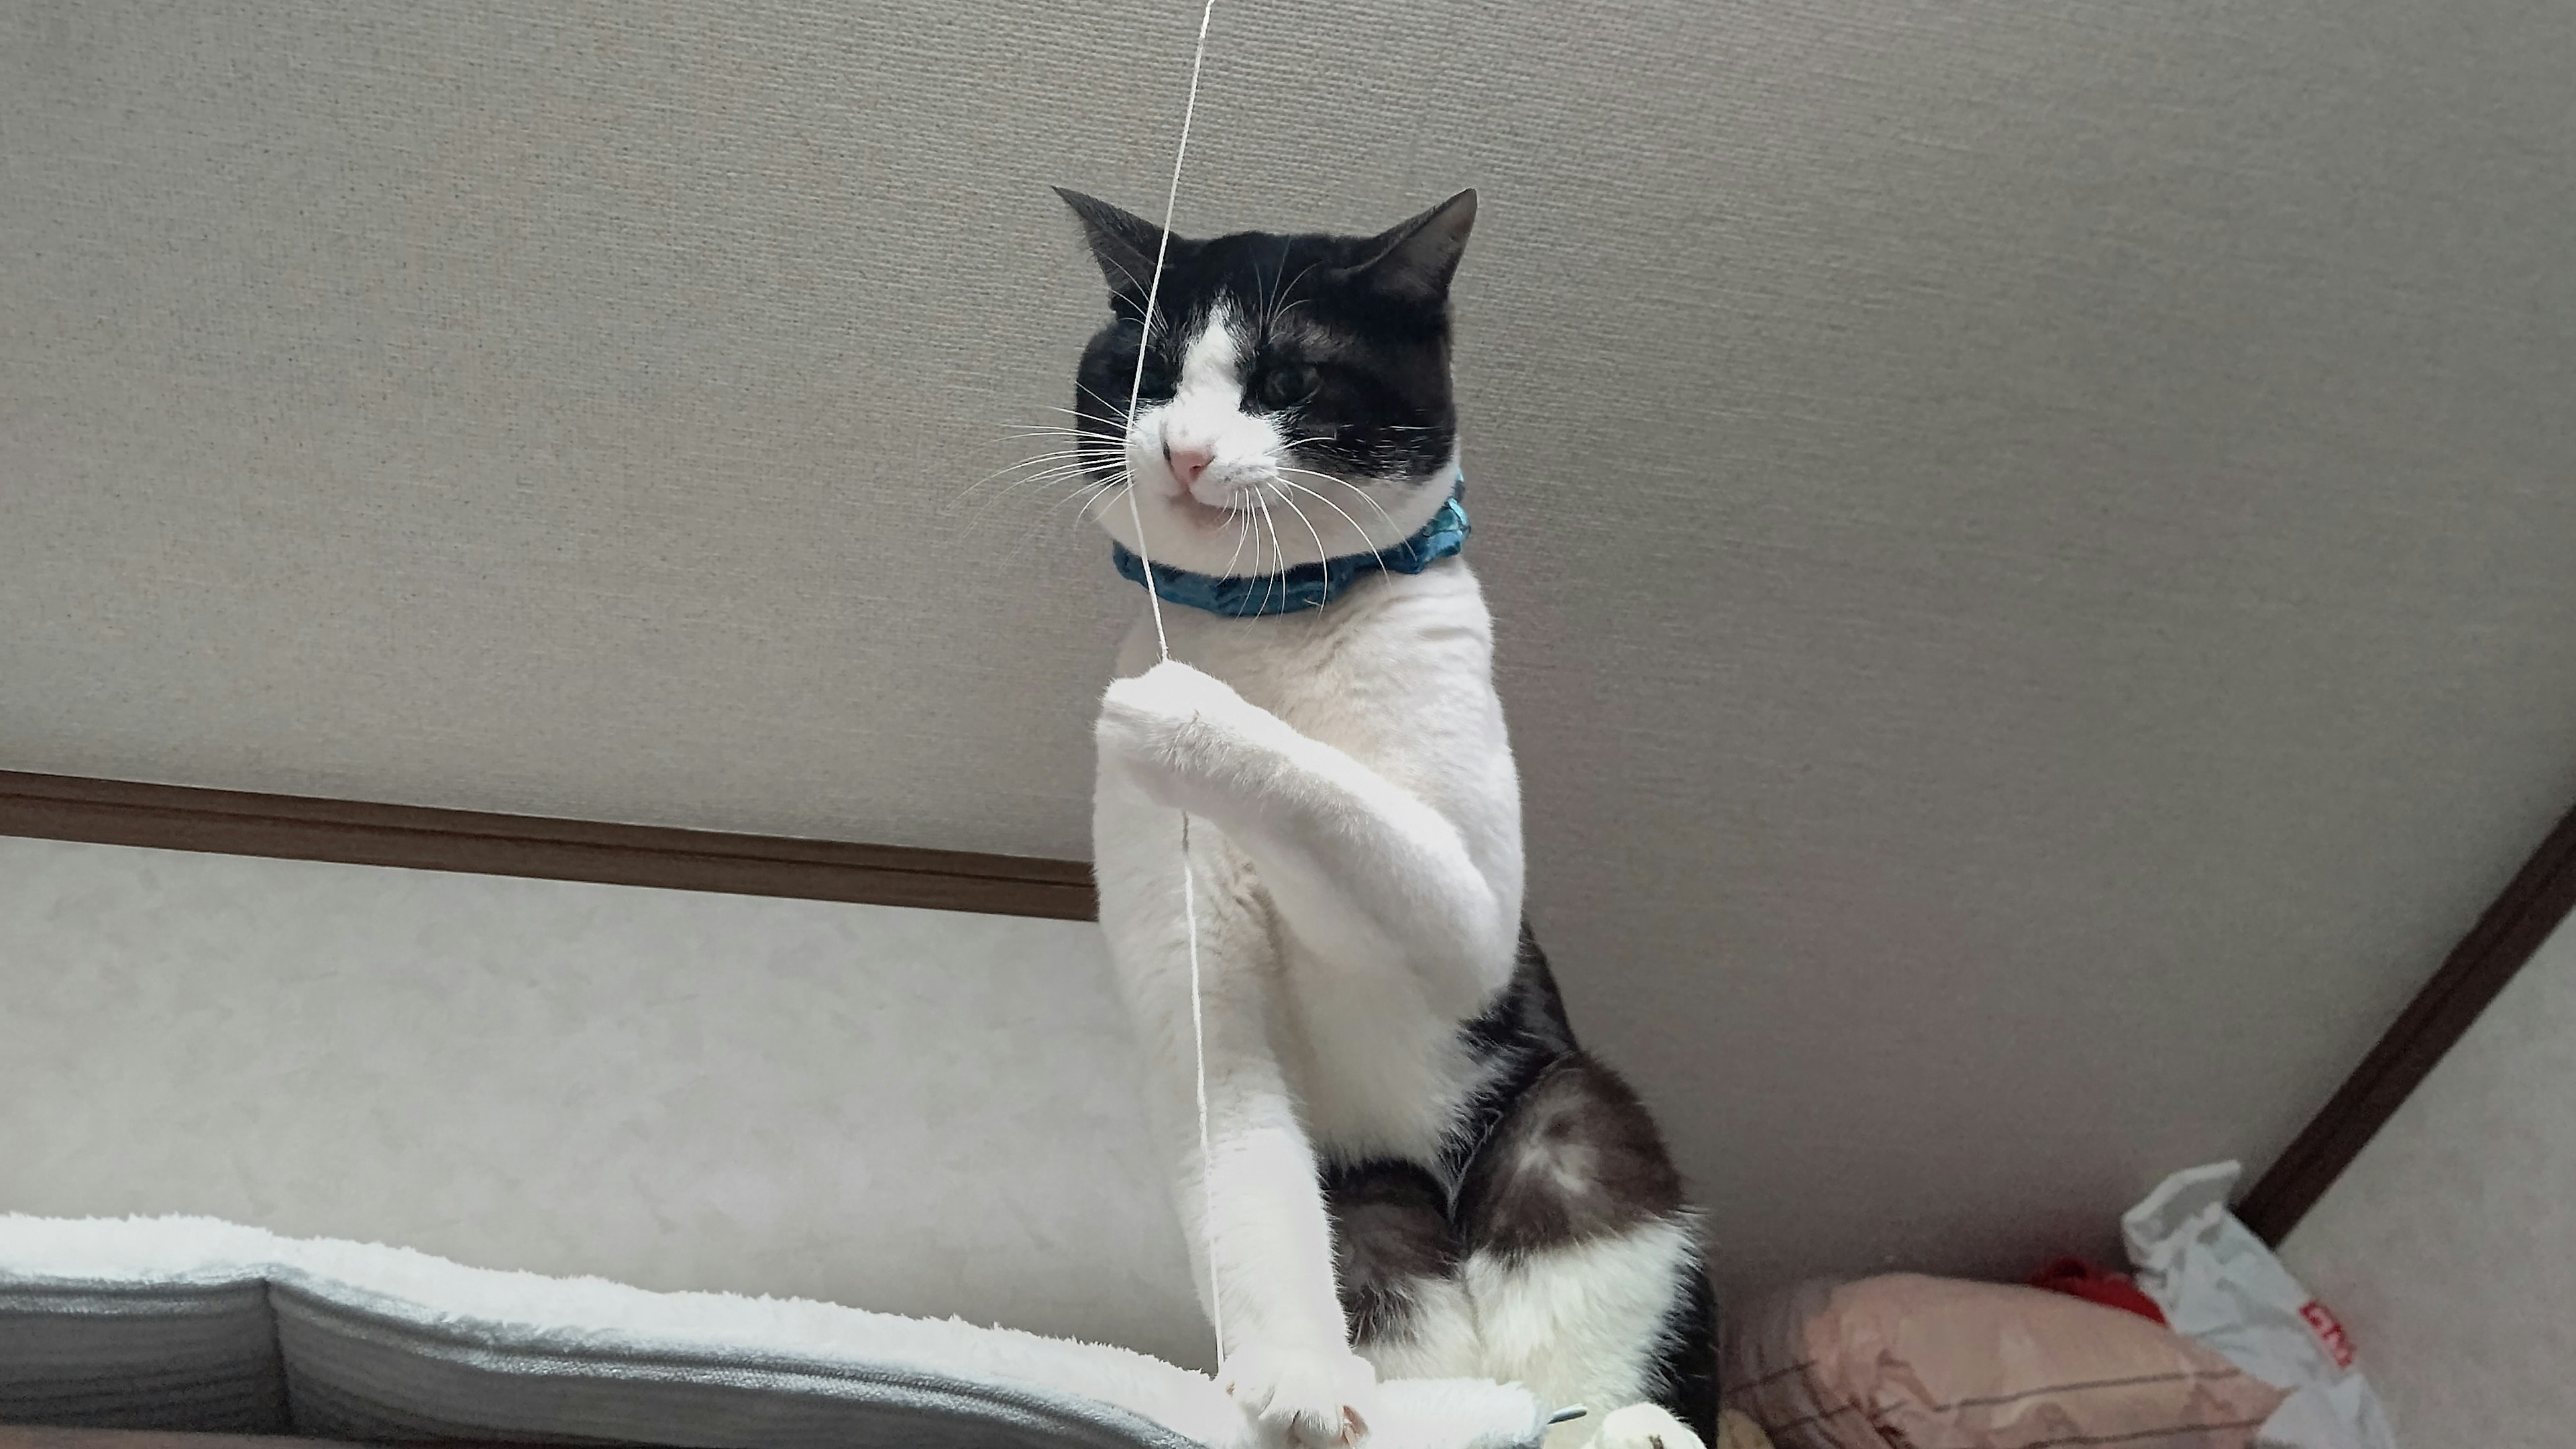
(1644, 1426)
(1151, 721)
(1304, 1398)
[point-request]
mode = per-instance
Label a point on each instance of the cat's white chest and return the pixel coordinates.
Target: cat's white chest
(1376, 1072)
(1399, 679)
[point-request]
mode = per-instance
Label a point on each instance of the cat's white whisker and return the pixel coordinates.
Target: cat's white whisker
(1086, 495)
(1270, 298)
(1060, 455)
(1288, 475)
(1346, 518)
(1361, 493)
(1039, 517)
(1272, 578)
(1056, 463)
(1015, 435)
(1106, 420)
(1320, 553)
(1242, 527)
(1108, 496)
(1076, 477)
(1042, 481)
(994, 499)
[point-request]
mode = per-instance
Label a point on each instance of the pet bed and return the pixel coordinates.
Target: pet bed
(192, 1323)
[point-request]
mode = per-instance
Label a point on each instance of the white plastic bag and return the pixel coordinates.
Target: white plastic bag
(2220, 1287)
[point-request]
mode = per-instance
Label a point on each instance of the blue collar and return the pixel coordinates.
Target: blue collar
(1310, 585)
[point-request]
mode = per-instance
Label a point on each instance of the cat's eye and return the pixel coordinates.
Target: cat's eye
(1158, 379)
(1161, 374)
(1286, 384)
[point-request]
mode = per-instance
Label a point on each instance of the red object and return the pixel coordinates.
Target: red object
(2328, 1332)
(2095, 1284)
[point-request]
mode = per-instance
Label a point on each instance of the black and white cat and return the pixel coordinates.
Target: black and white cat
(1412, 1168)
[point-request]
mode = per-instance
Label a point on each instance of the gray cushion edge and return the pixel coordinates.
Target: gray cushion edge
(75, 1377)
(478, 1346)
(482, 1346)
(128, 1298)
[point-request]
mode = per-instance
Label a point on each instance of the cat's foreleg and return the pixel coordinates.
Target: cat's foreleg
(1361, 870)
(1253, 1209)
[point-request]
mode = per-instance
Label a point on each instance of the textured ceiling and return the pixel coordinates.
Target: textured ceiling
(2035, 545)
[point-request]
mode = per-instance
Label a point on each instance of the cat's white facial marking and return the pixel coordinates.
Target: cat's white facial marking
(1202, 447)
(1219, 489)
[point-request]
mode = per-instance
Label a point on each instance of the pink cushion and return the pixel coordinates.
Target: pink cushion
(1937, 1363)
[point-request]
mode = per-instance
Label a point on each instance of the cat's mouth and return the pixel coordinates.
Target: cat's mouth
(1240, 505)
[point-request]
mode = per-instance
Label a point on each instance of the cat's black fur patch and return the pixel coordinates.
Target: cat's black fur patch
(1555, 1150)
(1349, 336)
(1391, 1235)
(1687, 1366)
(1522, 1034)
(1576, 1158)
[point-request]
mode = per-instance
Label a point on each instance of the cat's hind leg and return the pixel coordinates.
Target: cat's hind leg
(1606, 1323)
(1584, 1266)
(1397, 1261)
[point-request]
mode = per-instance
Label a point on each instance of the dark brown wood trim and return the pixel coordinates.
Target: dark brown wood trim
(2540, 896)
(290, 827)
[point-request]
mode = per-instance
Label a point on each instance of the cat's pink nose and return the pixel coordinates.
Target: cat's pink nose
(1189, 461)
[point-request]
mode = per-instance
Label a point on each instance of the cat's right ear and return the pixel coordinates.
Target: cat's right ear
(1122, 244)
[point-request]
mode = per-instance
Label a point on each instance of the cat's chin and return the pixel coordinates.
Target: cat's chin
(1198, 538)
(1184, 533)
(1207, 517)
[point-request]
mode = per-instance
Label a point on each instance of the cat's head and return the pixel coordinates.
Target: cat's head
(1295, 403)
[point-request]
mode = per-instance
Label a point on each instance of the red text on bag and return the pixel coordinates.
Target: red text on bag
(2328, 1332)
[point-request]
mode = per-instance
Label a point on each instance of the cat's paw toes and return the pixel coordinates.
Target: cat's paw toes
(1175, 691)
(1143, 709)
(1304, 1398)
(1148, 722)
(1644, 1426)
(1135, 730)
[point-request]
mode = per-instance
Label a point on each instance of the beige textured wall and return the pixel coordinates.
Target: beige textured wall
(2030, 539)
(2449, 1248)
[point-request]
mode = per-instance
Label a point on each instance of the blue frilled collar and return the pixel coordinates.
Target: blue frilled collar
(1307, 586)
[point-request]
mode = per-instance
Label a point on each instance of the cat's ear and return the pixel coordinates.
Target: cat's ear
(1122, 244)
(1416, 259)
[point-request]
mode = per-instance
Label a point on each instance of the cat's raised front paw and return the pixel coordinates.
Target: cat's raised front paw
(1644, 1426)
(1304, 1398)
(1149, 721)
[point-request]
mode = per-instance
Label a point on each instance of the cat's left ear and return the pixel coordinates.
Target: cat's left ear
(1416, 260)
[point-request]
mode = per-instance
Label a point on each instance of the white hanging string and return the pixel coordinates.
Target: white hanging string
(1163, 647)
